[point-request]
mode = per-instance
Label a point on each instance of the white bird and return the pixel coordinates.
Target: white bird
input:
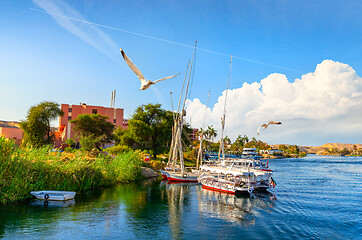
(144, 84)
(265, 125)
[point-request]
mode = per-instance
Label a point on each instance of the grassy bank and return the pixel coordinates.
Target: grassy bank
(25, 169)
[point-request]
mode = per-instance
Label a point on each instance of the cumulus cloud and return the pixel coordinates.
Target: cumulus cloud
(322, 106)
(65, 16)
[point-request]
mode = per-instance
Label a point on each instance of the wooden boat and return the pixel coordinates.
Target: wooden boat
(261, 173)
(53, 195)
(185, 177)
(227, 184)
(175, 170)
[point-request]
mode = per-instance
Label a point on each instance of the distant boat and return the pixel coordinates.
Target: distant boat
(53, 195)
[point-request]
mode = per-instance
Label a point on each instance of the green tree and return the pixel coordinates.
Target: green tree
(36, 127)
(150, 128)
(211, 132)
(93, 129)
(227, 140)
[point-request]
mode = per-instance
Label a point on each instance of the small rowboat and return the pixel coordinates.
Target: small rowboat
(53, 195)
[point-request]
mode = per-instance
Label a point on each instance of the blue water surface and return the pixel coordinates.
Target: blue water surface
(317, 197)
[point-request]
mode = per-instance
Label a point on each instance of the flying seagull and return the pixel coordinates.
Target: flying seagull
(265, 125)
(144, 84)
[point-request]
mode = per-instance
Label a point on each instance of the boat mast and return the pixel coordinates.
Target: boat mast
(183, 113)
(174, 143)
(199, 155)
(222, 148)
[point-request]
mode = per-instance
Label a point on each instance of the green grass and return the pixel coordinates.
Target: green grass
(23, 170)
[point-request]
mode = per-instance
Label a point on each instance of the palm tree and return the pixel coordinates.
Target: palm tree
(227, 140)
(212, 132)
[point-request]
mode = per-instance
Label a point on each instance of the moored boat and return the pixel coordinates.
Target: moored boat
(185, 177)
(227, 183)
(53, 195)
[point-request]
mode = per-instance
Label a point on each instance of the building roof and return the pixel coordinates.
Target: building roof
(9, 124)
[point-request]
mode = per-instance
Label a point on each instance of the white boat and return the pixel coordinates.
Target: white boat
(53, 195)
(185, 177)
(259, 172)
(175, 170)
(238, 184)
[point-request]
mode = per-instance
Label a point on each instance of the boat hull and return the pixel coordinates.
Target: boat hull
(53, 195)
(176, 177)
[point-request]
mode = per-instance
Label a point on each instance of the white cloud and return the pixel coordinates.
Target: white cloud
(65, 15)
(322, 106)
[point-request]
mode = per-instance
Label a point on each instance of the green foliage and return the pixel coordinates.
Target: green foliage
(150, 128)
(118, 149)
(71, 142)
(37, 125)
(7, 147)
(93, 130)
(88, 142)
(28, 169)
(127, 166)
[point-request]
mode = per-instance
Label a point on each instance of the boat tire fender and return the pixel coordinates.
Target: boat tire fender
(46, 196)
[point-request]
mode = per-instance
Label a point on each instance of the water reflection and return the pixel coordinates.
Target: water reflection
(179, 199)
(235, 209)
(43, 203)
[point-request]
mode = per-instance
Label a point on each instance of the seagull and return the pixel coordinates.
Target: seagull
(144, 84)
(265, 125)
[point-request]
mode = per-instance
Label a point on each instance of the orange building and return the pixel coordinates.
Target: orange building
(11, 130)
(115, 115)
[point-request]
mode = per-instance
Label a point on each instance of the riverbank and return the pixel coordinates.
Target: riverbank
(27, 169)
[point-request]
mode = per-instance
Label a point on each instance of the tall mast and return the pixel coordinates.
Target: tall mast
(199, 155)
(183, 113)
(174, 142)
(222, 148)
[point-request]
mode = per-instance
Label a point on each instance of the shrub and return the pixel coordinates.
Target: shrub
(28, 169)
(118, 149)
(87, 143)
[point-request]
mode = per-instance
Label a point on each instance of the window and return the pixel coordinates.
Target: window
(69, 118)
(114, 120)
(70, 110)
(94, 111)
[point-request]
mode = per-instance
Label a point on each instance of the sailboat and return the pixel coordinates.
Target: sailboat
(220, 178)
(175, 170)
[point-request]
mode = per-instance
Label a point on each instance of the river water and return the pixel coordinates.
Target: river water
(316, 197)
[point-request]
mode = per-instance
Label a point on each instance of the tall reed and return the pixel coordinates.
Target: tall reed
(28, 169)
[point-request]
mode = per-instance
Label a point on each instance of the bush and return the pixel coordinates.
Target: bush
(118, 149)
(87, 143)
(28, 169)
(6, 148)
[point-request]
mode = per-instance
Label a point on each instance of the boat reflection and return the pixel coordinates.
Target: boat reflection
(235, 209)
(45, 203)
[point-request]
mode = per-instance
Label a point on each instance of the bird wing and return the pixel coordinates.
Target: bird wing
(274, 122)
(262, 126)
(161, 79)
(133, 67)
(257, 131)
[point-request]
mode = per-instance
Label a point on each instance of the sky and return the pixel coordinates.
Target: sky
(298, 62)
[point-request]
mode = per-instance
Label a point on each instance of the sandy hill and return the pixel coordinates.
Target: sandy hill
(339, 146)
(315, 149)
(9, 124)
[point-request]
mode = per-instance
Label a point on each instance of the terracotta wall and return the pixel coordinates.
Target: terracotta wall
(12, 133)
(87, 109)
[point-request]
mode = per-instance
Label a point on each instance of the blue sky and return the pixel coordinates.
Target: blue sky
(45, 56)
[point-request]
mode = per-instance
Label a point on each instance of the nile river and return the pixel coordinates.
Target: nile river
(315, 198)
